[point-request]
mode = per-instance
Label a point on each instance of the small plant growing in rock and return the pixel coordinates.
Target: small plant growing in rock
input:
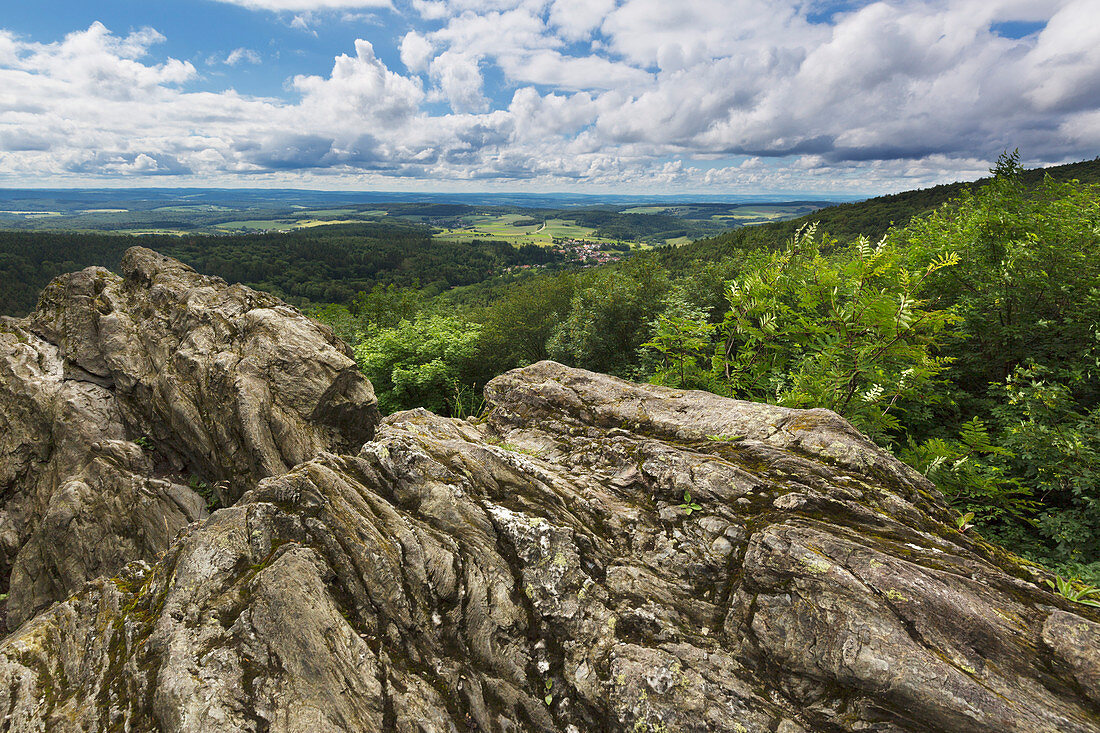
(965, 521)
(466, 403)
(144, 443)
(689, 506)
(549, 695)
(1076, 591)
(205, 490)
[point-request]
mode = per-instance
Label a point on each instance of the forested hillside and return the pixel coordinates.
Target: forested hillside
(871, 218)
(310, 265)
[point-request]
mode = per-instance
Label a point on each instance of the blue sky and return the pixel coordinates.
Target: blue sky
(646, 96)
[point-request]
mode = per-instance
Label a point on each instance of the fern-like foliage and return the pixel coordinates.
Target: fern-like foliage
(847, 329)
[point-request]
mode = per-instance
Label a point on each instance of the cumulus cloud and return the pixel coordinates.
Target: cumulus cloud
(102, 64)
(537, 117)
(359, 89)
(770, 95)
(126, 163)
(576, 20)
(496, 33)
(1064, 66)
(459, 81)
(416, 52)
(8, 49)
(431, 9)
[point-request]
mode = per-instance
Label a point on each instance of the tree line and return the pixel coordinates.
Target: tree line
(323, 264)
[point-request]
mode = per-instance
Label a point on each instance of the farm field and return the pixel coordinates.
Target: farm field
(647, 210)
(516, 229)
(280, 225)
(519, 229)
(189, 208)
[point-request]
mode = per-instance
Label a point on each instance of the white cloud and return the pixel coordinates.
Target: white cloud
(416, 52)
(1065, 63)
(1082, 130)
(8, 46)
(538, 117)
(101, 64)
(459, 81)
(577, 19)
(493, 34)
(700, 30)
(431, 9)
(360, 89)
(243, 56)
(550, 68)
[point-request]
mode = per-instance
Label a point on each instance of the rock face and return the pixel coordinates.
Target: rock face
(216, 383)
(592, 555)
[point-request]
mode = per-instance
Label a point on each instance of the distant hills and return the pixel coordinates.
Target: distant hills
(145, 199)
(871, 217)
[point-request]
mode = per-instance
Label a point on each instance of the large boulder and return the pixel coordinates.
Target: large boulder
(594, 555)
(121, 395)
(224, 380)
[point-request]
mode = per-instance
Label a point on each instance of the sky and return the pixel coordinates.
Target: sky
(622, 96)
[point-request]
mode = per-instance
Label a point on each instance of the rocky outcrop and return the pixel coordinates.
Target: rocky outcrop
(121, 395)
(593, 555)
(225, 380)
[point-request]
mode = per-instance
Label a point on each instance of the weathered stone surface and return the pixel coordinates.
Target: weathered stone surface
(536, 571)
(219, 383)
(226, 380)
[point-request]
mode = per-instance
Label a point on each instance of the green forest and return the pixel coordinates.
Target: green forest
(965, 340)
(329, 264)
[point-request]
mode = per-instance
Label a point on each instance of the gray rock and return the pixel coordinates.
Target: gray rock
(218, 382)
(227, 381)
(535, 571)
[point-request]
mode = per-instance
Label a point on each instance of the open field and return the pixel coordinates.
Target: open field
(333, 212)
(258, 225)
(504, 227)
(750, 214)
(645, 210)
(280, 225)
(192, 208)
